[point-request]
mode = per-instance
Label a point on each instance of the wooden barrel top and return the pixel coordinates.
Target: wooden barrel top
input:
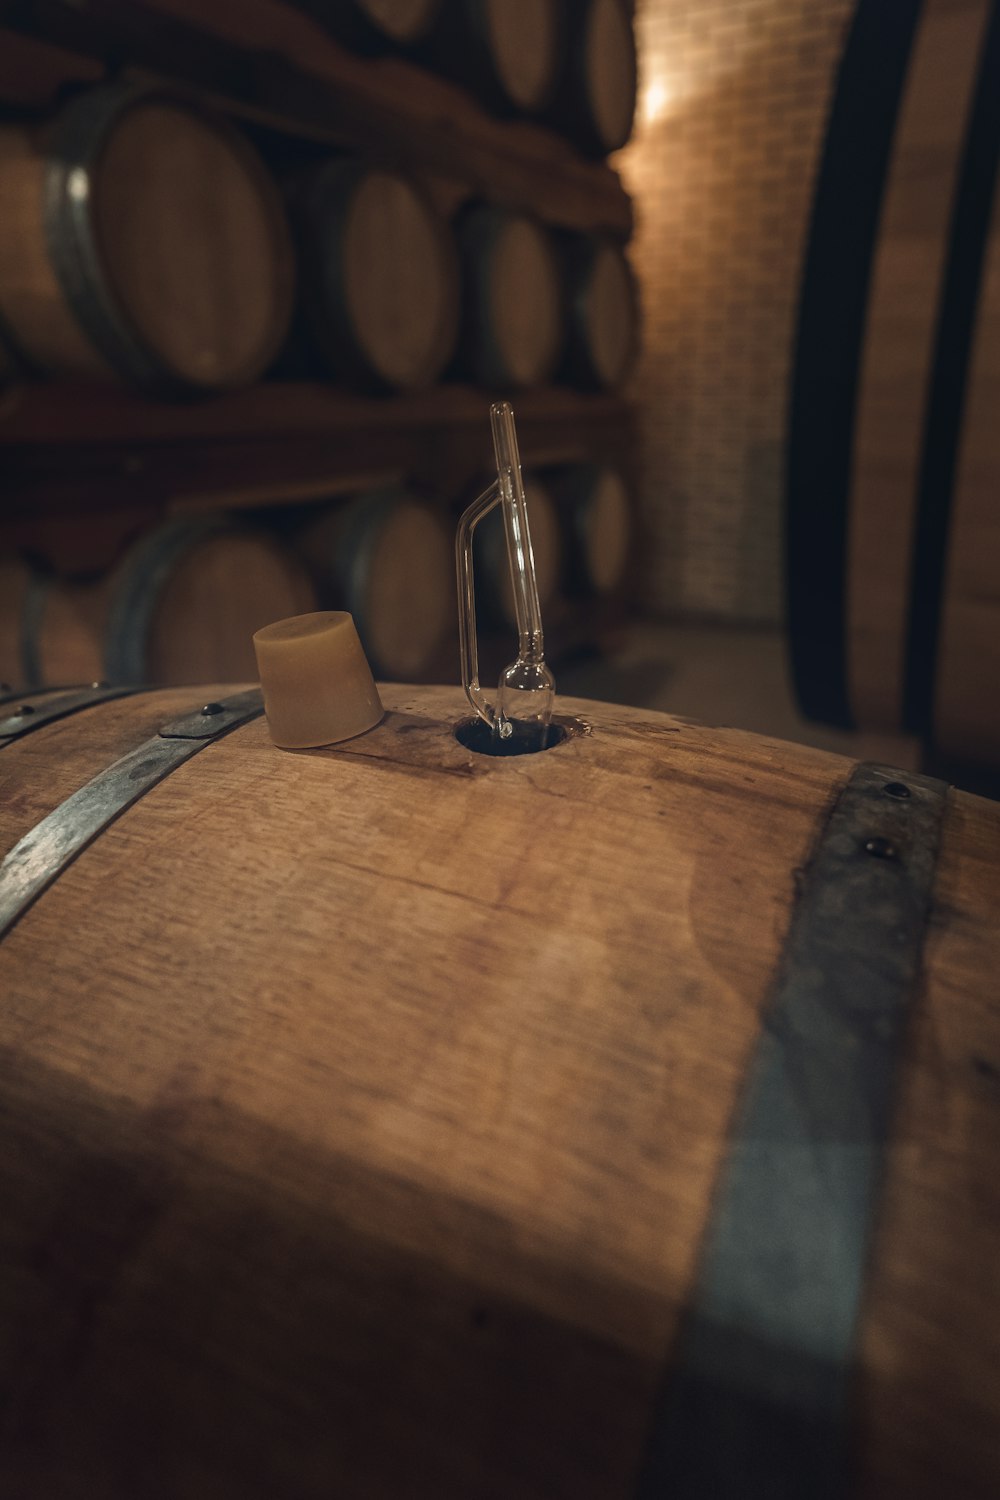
(194, 243)
(365, 1105)
(399, 282)
(513, 315)
(609, 72)
(600, 526)
(523, 38)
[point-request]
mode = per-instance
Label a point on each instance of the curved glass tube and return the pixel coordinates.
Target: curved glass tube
(526, 692)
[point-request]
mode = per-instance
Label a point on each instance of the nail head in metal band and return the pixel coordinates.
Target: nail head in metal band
(756, 1403)
(15, 725)
(42, 855)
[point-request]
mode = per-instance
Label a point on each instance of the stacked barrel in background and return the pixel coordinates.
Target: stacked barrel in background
(149, 240)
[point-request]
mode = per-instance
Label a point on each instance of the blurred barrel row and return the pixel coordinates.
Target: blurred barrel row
(145, 238)
(183, 600)
(570, 64)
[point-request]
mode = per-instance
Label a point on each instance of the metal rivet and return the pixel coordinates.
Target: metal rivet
(19, 713)
(897, 789)
(98, 685)
(213, 708)
(880, 848)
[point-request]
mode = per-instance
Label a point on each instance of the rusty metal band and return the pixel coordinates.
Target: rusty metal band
(756, 1403)
(25, 718)
(40, 857)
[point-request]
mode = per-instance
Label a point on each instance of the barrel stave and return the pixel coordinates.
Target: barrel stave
(407, 1095)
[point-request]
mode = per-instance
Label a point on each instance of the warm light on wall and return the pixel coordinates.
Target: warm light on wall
(655, 100)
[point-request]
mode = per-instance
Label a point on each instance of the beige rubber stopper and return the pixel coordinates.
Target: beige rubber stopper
(318, 686)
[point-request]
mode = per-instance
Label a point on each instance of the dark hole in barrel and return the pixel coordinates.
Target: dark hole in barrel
(526, 739)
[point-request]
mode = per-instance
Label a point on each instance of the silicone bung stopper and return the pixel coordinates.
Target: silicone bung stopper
(318, 686)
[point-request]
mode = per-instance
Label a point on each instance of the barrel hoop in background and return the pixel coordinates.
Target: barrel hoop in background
(758, 1401)
(41, 856)
(79, 135)
(133, 603)
(15, 726)
(835, 288)
(943, 430)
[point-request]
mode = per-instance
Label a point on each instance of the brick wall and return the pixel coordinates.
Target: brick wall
(732, 110)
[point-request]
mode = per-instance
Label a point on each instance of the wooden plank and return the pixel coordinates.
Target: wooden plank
(33, 73)
(87, 466)
(52, 412)
(274, 63)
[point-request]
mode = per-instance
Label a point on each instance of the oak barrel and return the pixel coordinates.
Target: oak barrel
(388, 560)
(181, 604)
(371, 1115)
(142, 238)
(602, 323)
(513, 317)
(893, 550)
(598, 521)
(379, 275)
(596, 88)
(506, 53)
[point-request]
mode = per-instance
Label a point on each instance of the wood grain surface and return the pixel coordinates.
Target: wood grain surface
(194, 243)
(363, 1108)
